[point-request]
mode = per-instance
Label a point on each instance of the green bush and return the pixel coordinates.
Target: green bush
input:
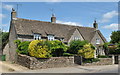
(76, 45)
(22, 47)
(67, 54)
(56, 47)
(102, 56)
(95, 60)
(90, 60)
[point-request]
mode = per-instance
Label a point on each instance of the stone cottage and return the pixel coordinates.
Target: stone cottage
(28, 30)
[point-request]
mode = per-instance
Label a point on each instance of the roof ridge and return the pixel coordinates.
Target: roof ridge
(53, 23)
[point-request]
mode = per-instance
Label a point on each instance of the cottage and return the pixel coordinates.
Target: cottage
(28, 30)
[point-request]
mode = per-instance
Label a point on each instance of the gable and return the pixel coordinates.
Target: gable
(97, 36)
(75, 34)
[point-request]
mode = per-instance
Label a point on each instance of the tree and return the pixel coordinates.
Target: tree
(76, 45)
(115, 37)
(86, 51)
(4, 36)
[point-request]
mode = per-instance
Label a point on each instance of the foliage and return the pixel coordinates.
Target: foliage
(38, 49)
(56, 47)
(102, 56)
(76, 45)
(86, 51)
(105, 46)
(90, 60)
(67, 54)
(112, 49)
(22, 47)
(4, 36)
(115, 37)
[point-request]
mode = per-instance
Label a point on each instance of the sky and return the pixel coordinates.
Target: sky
(70, 13)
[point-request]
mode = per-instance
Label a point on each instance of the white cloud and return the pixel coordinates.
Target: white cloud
(108, 16)
(108, 38)
(112, 26)
(2, 16)
(7, 7)
(69, 23)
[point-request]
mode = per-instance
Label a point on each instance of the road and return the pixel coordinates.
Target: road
(15, 68)
(79, 69)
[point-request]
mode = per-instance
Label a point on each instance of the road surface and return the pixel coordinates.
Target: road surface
(15, 68)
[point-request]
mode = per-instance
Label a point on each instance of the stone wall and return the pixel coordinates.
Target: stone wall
(34, 63)
(103, 61)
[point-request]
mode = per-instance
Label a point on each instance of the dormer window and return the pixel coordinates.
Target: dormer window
(37, 36)
(50, 37)
(97, 41)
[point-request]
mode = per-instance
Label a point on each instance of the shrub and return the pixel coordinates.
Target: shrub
(22, 47)
(95, 60)
(76, 45)
(86, 51)
(90, 60)
(102, 56)
(67, 54)
(38, 49)
(105, 46)
(56, 47)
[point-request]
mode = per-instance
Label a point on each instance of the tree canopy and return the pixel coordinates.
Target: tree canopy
(115, 37)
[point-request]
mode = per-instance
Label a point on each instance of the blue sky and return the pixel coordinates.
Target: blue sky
(73, 13)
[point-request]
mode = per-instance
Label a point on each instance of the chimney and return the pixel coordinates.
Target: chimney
(13, 14)
(53, 18)
(95, 25)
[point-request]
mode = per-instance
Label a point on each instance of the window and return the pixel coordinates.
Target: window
(97, 41)
(76, 38)
(51, 37)
(62, 39)
(37, 36)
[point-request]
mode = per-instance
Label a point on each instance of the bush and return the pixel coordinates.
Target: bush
(67, 54)
(87, 51)
(56, 47)
(22, 47)
(76, 45)
(90, 60)
(102, 56)
(105, 46)
(38, 49)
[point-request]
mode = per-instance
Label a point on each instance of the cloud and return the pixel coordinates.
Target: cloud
(7, 7)
(108, 16)
(112, 26)
(69, 23)
(2, 16)
(108, 38)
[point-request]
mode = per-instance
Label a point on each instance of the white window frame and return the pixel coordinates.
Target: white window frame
(97, 40)
(51, 37)
(37, 36)
(76, 38)
(61, 39)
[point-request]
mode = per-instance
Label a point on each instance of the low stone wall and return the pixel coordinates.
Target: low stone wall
(33, 63)
(103, 61)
